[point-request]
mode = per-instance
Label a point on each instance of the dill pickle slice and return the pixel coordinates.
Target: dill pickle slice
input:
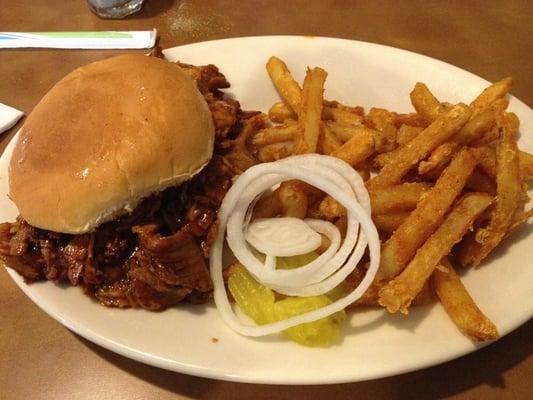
(321, 333)
(295, 261)
(258, 302)
(254, 299)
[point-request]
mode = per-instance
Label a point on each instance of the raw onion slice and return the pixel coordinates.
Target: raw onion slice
(328, 174)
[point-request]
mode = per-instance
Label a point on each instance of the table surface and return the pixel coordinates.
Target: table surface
(40, 359)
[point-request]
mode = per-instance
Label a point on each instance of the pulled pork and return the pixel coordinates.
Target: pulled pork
(154, 257)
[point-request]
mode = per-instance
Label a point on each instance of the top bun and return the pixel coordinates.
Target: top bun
(106, 136)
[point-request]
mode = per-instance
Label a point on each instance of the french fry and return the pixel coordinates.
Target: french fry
(346, 132)
(287, 87)
(480, 182)
(357, 149)
(459, 305)
(406, 133)
(275, 151)
(268, 206)
(471, 131)
(310, 111)
(383, 121)
(425, 103)
(526, 164)
(398, 294)
(510, 196)
(280, 112)
(389, 222)
(293, 200)
(444, 127)
(412, 119)
(398, 197)
(427, 216)
(275, 134)
(486, 158)
(327, 141)
(492, 93)
(342, 116)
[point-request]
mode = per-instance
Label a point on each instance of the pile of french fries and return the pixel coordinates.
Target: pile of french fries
(447, 183)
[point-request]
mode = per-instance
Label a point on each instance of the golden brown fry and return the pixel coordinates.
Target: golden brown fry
(398, 197)
(526, 164)
(425, 103)
(406, 133)
(389, 222)
(280, 112)
(327, 141)
(276, 134)
(460, 306)
(427, 216)
(384, 121)
(480, 182)
(486, 158)
(275, 151)
(473, 130)
(509, 199)
(400, 292)
(287, 87)
(342, 116)
(293, 200)
(492, 93)
(412, 119)
(438, 132)
(310, 111)
(357, 149)
(346, 132)
(268, 206)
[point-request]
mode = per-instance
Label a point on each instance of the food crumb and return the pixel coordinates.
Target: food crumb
(214, 340)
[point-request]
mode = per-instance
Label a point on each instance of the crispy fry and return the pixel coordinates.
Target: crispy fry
(357, 149)
(421, 223)
(510, 196)
(389, 222)
(311, 111)
(327, 141)
(412, 119)
(275, 151)
(480, 182)
(293, 200)
(486, 158)
(425, 103)
(400, 292)
(342, 116)
(268, 206)
(438, 132)
(287, 87)
(346, 132)
(459, 305)
(526, 164)
(383, 121)
(280, 112)
(471, 131)
(398, 197)
(276, 134)
(406, 133)
(492, 93)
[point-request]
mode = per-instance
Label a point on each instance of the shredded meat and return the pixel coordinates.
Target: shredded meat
(156, 256)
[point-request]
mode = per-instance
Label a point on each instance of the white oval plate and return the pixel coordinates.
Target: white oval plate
(375, 344)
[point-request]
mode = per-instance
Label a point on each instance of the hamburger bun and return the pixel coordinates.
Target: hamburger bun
(106, 136)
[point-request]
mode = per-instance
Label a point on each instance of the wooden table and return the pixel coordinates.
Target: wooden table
(40, 359)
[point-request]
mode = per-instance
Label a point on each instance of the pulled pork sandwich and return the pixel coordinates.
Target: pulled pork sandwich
(117, 175)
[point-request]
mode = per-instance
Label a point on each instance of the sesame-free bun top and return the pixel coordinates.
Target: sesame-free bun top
(106, 136)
